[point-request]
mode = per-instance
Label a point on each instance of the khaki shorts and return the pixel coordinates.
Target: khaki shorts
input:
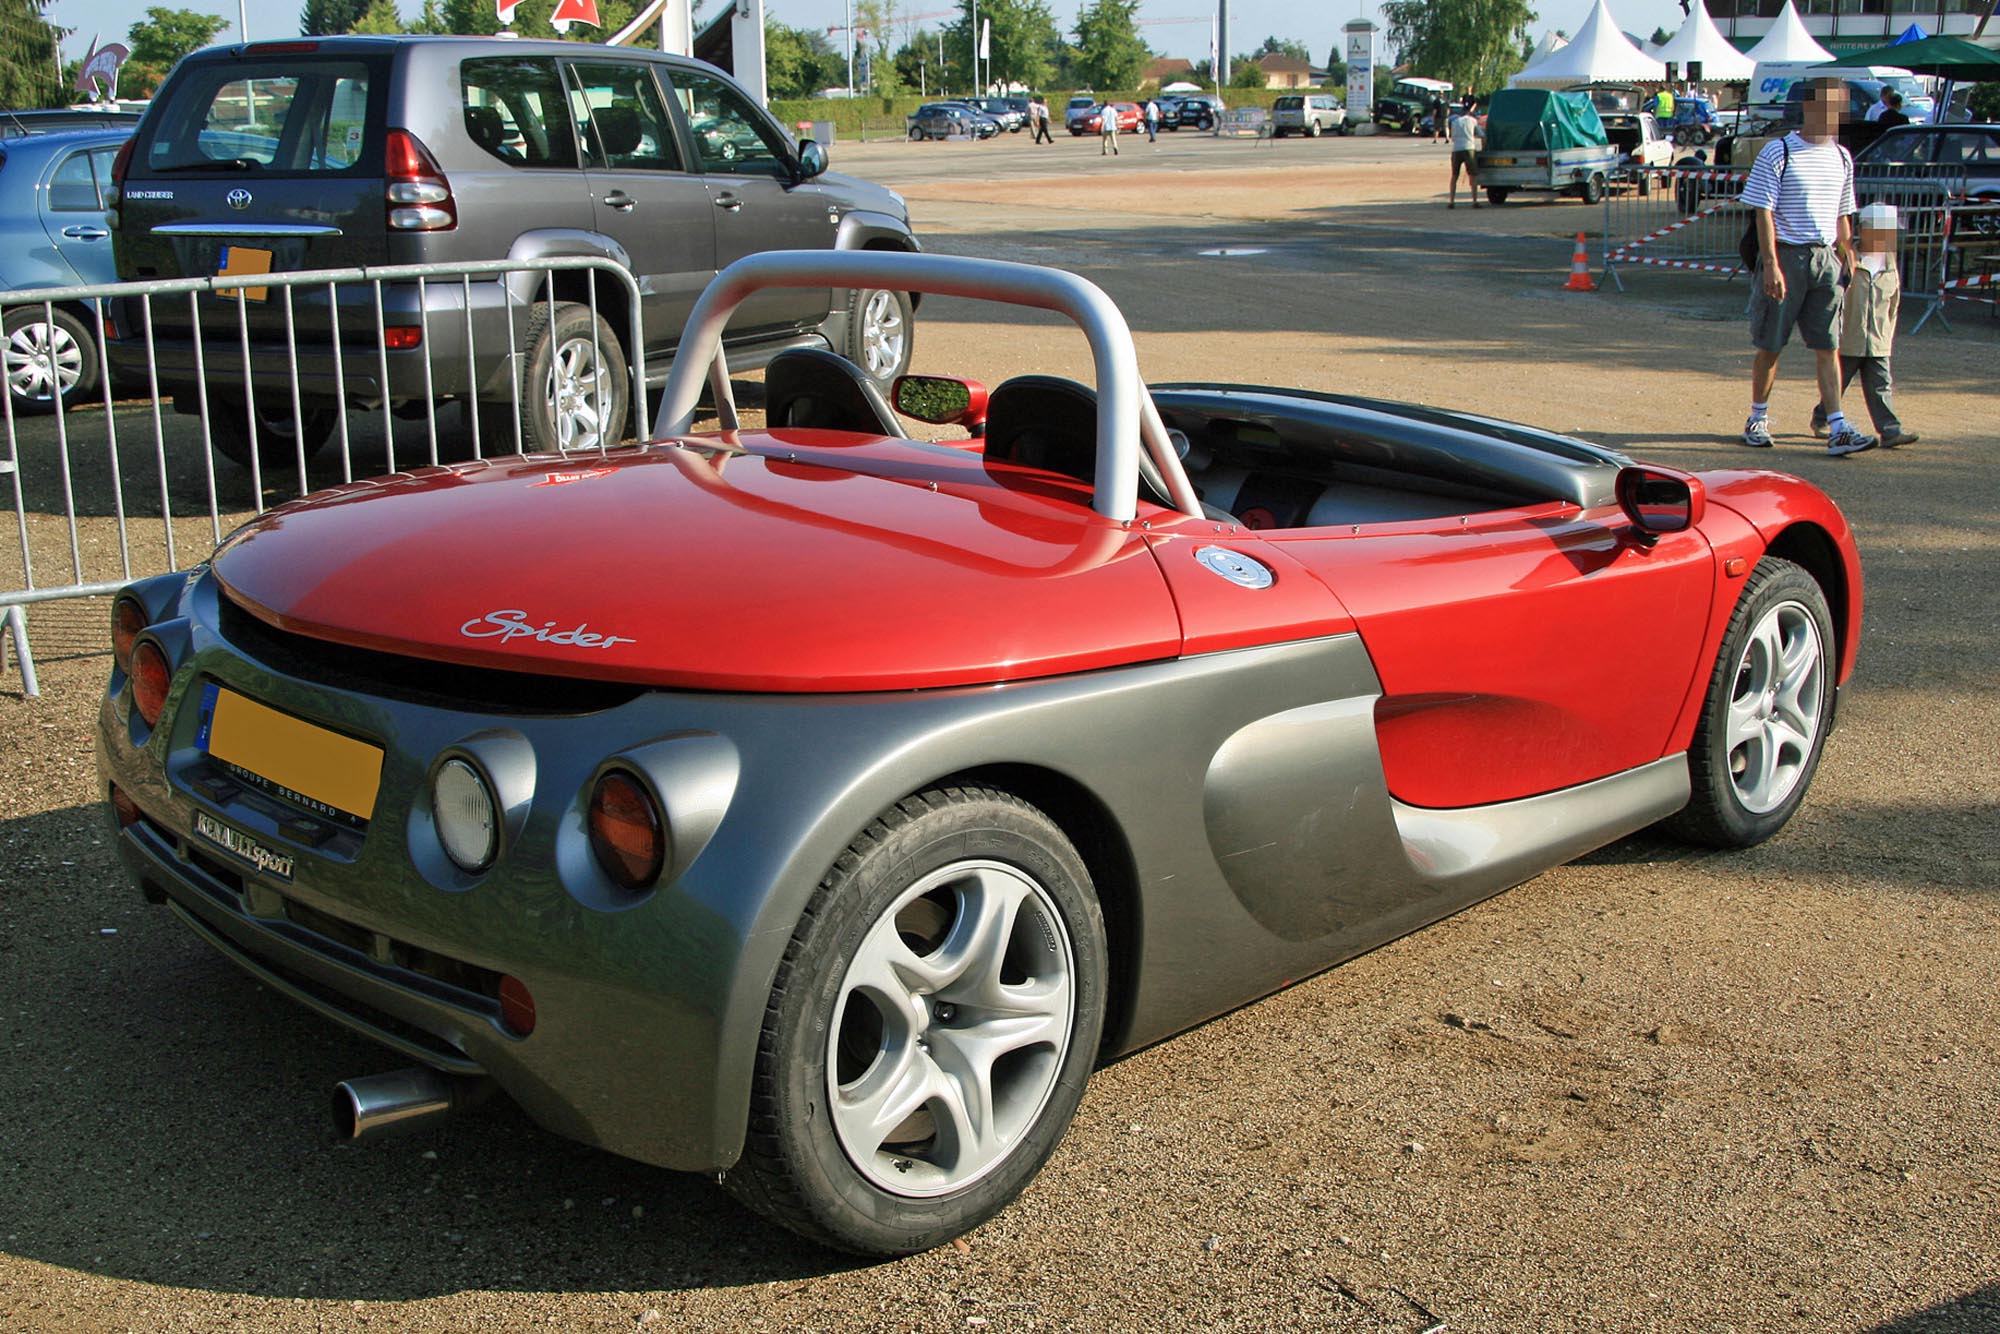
(1812, 301)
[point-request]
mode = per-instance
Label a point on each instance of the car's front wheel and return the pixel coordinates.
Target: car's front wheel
(930, 1029)
(917, 134)
(881, 332)
(1764, 720)
(49, 353)
(576, 389)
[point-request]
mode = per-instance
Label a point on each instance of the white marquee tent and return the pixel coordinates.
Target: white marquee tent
(1700, 40)
(1551, 42)
(1788, 40)
(1599, 53)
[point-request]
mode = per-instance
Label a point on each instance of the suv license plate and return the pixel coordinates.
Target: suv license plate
(240, 261)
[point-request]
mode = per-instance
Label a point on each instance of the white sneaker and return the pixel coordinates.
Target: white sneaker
(1757, 433)
(1847, 441)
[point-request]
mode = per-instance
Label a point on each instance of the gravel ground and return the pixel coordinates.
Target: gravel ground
(1652, 1089)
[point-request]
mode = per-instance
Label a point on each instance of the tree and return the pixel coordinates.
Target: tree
(1985, 102)
(1336, 68)
(1475, 44)
(1109, 51)
(1246, 73)
(1025, 39)
(28, 73)
(1660, 37)
(797, 62)
(1283, 46)
(330, 18)
(380, 17)
(430, 19)
(165, 35)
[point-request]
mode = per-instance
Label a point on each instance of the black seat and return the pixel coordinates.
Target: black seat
(485, 128)
(617, 130)
(809, 387)
(1046, 422)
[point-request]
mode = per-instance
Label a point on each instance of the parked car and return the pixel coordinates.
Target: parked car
(1075, 110)
(53, 233)
(819, 805)
(942, 120)
(1130, 118)
(1975, 149)
(393, 150)
(1310, 114)
(16, 123)
(1195, 111)
(1407, 104)
(1010, 112)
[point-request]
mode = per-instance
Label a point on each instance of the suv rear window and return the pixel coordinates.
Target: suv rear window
(287, 118)
(1288, 104)
(516, 110)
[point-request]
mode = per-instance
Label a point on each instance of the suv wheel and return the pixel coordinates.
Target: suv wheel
(880, 333)
(280, 439)
(46, 357)
(1312, 129)
(576, 389)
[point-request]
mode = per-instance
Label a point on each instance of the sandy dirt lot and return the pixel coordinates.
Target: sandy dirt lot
(1655, 1089)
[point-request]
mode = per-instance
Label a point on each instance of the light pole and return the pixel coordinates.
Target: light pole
(242, 21)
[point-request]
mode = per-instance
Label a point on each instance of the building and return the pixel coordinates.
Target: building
(1854, 25)
(1166, 70)
(1287, 72)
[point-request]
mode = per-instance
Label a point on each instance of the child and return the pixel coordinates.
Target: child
(1868, 329)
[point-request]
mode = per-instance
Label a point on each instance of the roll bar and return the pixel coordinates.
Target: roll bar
(1127, 420)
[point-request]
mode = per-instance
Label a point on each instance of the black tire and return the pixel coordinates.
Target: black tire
(796, 1169)
(881, 333)
(917, 134)
(1593, 190)
(574, 341)
(1497, 194)
(1312, 129)
(1205, 123)
(1717, 814)
(279, 437)
(32, 342)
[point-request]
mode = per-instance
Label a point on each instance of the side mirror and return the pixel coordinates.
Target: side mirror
(812, 158)
(1661, 500)
(941, 400)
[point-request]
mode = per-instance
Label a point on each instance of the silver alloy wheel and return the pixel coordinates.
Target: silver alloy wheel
(882, 334)
(579, 396)
(950, 1028)
(43, 360)
(1775, 707)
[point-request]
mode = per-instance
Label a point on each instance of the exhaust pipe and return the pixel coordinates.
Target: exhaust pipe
(376, 1106)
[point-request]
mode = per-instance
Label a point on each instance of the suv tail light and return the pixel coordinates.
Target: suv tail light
(418, 195)
(120, 163)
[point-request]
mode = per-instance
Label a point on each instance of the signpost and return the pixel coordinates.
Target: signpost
(1361, 71)
(98, 76)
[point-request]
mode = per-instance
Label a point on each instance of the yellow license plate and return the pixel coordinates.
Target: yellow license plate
(1499, 162)
(241, 261)
(289, 757)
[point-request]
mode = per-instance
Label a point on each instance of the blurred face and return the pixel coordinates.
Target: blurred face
(1878, 239)
(1824, 104)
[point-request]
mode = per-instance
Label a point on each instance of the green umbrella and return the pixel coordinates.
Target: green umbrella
(1940, 57)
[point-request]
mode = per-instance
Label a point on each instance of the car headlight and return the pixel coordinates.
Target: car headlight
(468, 822)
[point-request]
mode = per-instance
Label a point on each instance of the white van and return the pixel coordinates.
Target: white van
(1771, 82)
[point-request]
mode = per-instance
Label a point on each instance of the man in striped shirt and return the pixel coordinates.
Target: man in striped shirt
(1802, 191)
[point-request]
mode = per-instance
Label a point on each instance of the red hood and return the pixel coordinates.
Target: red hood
(815, 562)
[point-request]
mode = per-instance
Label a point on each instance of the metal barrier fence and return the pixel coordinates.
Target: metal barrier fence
(271, 368)
(1693, 218)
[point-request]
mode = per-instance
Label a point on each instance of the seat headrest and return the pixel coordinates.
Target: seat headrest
(813, 388)
(484, 126)
(1044, 421)
(617, 130)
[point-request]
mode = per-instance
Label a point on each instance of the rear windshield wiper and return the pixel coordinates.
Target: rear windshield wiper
(213, 164)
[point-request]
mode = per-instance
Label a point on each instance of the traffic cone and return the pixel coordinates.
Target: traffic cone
(1579, 270)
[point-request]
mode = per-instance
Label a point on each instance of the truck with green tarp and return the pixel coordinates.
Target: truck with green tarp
(1542, 140)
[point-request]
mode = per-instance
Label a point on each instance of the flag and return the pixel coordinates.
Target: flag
(577, 11)
(986, 39)
(505, 9)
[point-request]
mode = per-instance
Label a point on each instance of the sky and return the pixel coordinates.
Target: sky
(1317, 23)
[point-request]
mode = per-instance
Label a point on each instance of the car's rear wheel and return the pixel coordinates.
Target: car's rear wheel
(881, 332)
(576, 389)
(49, 353)
(280, 436)
(1497, 194)
(1765, 717)
(930, 1029)
(1312, 129)
(1593, 190)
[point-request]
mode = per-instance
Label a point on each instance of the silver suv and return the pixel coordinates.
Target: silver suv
(1310, 114)
(340, 152)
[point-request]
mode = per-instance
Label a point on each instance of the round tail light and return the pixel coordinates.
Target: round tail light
(468, 822)
(150, 679)
(627, 833)
(128, 618)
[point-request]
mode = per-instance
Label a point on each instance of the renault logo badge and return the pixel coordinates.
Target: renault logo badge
(239, 198)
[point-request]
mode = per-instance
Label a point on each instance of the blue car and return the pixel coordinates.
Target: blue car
(53, 233)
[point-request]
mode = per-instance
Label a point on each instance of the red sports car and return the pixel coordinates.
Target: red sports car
(1129, 118)
(816, 806)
